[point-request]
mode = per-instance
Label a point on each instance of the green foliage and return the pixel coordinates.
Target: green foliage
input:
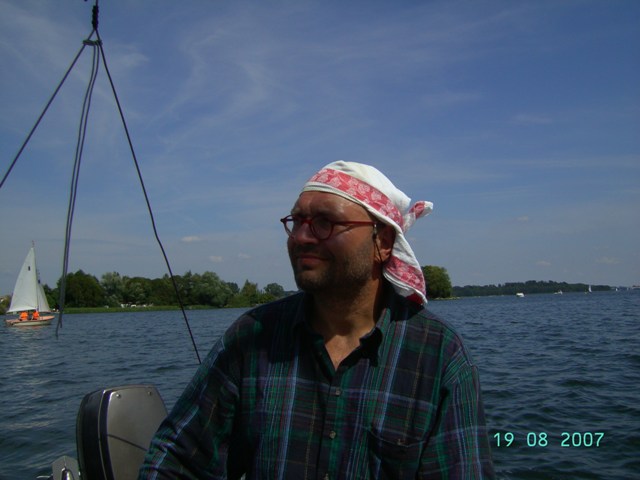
(162, 292)
(5, 300)
(196, 290)
(83, 290)
(274, 290)
(438, 281)
(249, 296)
(114, 288)
(208, 290)
(233, 287)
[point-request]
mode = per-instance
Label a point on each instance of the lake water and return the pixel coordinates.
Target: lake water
(560, 377)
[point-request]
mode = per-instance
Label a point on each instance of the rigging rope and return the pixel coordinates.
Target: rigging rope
(146, 197)
(75, 176)
(35, 126)
(98, 51)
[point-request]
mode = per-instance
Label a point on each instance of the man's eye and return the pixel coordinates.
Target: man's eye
(322, 222)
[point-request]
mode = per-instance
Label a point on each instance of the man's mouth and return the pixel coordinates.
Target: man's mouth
(307, 258)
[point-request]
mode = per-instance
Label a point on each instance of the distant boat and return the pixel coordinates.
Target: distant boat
(589, 290)
(559, 292)
(520, 295)
(29, 297)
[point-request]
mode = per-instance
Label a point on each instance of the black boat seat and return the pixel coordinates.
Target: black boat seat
(114, 429)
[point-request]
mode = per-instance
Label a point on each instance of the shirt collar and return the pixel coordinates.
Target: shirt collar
(372, 340)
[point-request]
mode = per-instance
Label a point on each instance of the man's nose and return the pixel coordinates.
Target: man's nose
(303, 234)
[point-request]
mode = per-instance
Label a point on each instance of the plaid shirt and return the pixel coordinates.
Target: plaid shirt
(267, 402)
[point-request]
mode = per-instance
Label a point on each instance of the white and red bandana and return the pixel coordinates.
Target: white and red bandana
(367, 186)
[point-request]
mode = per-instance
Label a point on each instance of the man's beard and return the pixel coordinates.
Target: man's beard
(342, 276)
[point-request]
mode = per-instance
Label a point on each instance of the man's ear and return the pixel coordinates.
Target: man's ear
(384, 236)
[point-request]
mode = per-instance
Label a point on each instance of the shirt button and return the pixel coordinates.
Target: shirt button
(332, 434)
(326, 476)
(337, 392)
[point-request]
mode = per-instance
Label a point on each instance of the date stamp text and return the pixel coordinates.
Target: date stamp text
(545, 439)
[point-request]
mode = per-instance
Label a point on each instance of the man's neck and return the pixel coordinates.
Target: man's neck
(343, 319)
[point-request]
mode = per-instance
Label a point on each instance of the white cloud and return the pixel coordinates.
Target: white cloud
(191, 239)
(235, 108)
(608, 261)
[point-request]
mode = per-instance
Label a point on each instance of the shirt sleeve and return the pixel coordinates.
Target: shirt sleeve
(459, 445)
(193, 441)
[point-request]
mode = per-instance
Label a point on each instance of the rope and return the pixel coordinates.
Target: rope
(75, 176)
(98, 52)
(33, 129)
(146, 198)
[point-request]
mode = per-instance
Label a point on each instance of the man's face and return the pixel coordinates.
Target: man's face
(344, 261)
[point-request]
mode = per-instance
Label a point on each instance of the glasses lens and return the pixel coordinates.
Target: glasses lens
(321, 227)
(288, 225)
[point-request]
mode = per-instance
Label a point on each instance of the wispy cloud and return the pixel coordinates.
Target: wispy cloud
(232, 108)
(608, 261)
(191, 239)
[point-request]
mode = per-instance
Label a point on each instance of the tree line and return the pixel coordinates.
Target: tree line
(208, 290)
(83, 290)
(528, 287)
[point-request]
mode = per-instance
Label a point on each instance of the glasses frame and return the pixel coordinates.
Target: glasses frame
(309, 221)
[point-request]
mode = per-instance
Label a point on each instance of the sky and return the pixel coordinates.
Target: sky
(519, 120)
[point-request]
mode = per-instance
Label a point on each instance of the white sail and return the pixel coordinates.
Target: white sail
(43, 304)
(28, 293)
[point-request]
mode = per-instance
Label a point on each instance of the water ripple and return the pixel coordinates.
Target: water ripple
(549, 364)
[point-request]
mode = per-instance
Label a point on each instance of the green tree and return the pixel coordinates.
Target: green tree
(162, 291)
(114, 286)
(185, 287)
(137, 290)
(208, 289)
(83, 290)
(248, 296)
(275, 290)
(438, 281)
(233, 287)
(5, 300)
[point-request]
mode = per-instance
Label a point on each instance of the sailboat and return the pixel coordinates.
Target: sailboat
(29, 296)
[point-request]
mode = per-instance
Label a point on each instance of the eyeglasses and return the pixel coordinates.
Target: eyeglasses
(321, 227)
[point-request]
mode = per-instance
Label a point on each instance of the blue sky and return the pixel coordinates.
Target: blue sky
(518, 120)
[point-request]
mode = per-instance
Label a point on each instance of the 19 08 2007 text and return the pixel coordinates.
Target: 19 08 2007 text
(544, 439)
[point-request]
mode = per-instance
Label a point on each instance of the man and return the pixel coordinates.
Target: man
(350, 379)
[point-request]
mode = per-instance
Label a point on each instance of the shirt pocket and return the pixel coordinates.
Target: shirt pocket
(392, 460)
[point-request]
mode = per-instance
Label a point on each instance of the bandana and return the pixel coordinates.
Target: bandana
(367, 186)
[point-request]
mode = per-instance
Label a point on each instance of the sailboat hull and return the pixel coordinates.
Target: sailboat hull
(16, 322)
